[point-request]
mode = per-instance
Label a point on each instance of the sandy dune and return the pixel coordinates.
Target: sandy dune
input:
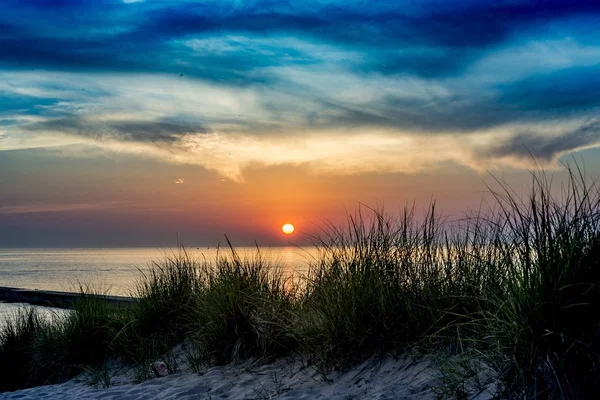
(284, 379)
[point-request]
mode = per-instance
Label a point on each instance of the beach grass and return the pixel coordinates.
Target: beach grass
(243, 310)
(82, 339)
(37, 350)
(546, 317)
(162, 314)
(514, 287)
(16, 349)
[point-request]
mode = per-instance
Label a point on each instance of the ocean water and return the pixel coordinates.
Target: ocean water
(9, 310)
(114, 271)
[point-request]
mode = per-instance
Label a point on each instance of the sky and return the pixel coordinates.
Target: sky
(140, 123)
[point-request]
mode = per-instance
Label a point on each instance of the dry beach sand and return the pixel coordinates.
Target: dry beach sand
(285, 379)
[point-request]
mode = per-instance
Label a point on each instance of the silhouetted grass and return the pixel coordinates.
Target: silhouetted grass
(35, 350)
(384, 284)
(517, 286)
(17, 341)
(162, 314)
(78, 341)
(244, 310)
(546, 318)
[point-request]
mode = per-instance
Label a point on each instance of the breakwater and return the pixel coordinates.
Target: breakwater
(52, 298)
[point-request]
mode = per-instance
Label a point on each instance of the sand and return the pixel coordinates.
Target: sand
(387, 378)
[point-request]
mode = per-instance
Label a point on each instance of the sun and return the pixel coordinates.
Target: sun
(288, 229)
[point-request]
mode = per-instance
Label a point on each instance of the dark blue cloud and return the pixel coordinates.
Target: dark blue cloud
(111, 35)
(439, 23)
(570, 89)
(69, 54)
(11, 104)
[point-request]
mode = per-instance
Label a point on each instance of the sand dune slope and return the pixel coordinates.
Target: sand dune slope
(285, 379)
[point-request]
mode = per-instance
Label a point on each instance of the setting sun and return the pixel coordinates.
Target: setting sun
(288, 229)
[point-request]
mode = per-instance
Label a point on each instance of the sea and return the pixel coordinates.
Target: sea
(115, 271)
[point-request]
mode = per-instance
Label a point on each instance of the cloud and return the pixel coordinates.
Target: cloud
(46, 208)
(179, 181)
(526, 144)
(343, 87)
(566, 90)
(129, 206)
(428, 39)
(157, 131)
(357, 152)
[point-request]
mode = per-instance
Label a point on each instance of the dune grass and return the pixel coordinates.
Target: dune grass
(243, 310)
(162, 314)
(35, 350)
(79, 341)
(546, 318)
(366, 292)
(16, 348)
(517, 287)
